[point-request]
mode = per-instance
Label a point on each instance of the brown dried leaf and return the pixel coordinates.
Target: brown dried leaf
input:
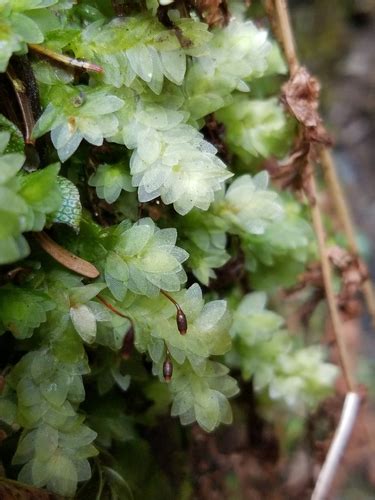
(214, 12)
(339, 257)
(294, 172)
(66, 258)
(301, 95)
(353, 273)
(11, 490)
(312, 276)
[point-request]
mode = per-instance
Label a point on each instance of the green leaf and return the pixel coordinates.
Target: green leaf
(248, 206)
(46, 442)
(28, 392)
(123, 381)
(40, 189)
(151, 261)
(8, 411)
(110, 180)
(25, 447)
(82, 294)
(16, 143)
(55, 389)
(62, 475)
(26, 28)
(22, 310)
(295, 376)
(202, 397)
(84, 322)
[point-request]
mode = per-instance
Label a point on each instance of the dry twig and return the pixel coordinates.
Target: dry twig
(24, 104)
(66, 60)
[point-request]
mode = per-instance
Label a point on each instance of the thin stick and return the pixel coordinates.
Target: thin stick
(338, 445)
(338, 196)
(318, 226)
(112, 308)
(328, 167)
(24, 104)
(169, 297)
(66, 258)
(287, 36)
(63, 59)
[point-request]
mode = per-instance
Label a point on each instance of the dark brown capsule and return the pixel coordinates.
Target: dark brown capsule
(167, 370)
(128, 343)
(181, 321)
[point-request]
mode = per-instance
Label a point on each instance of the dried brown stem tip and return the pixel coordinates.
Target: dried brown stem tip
(181, 320)
(128, 343)
(112, 308)
(167, 370)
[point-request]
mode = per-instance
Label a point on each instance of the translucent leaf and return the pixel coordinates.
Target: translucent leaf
(10, 164)
(77, 438)
(116, 267)
(28, 416)
(28, 392)
(58, 416)
(25, 448)
(26, 28)
(174, 63)
(42, 366)
(123, 381)
(46, 442)
(211, 314)
(141, 61)
(83, 469)
(207, 412)
(62, 475)
(39, 472)
(102, 105)
(84, 322)
(136, 238)
(76, 393)
(82, 294)
(8, 411)
(56, 388)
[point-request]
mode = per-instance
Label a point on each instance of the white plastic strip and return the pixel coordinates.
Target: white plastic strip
(338, 445)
